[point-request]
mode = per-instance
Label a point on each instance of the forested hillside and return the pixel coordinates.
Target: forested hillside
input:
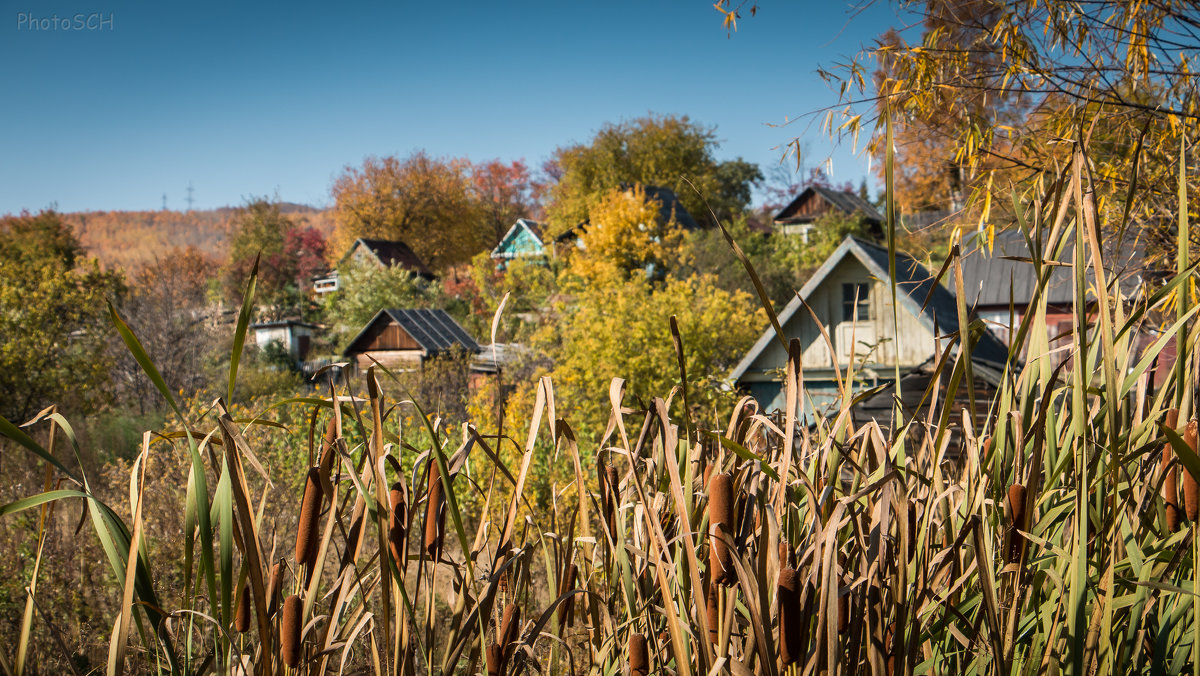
(127, 239)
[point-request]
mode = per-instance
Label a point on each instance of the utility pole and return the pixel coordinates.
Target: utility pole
(189, 197)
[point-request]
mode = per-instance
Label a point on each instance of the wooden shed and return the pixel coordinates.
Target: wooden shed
(405, 339)
(798, 217)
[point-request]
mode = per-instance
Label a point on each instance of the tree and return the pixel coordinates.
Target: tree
(625, 235)
(504, 192)
(366, 289)
(290, 253)
(426, 203)
(654, 150)
(622, 329)
(53, 318)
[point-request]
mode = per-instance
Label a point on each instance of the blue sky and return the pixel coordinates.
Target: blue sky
(243, 99)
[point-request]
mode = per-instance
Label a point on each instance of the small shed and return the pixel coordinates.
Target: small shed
(405, 339)
(798, 217)
(292, 335)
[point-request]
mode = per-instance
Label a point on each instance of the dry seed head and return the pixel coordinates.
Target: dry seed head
(510, 626)
(639, 656)
(274, 585)
(241, 621)
(495, 659)
(435, 516)
(664, 644)
(290, 646)
(1017, 522)
(1191, 488)
(720, 520)
(612, 484)
(791, 628)
(843, 625)
(396, 530)
(912, 529)
(307, 531)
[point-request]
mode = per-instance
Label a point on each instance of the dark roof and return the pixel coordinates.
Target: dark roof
(534, 227)
(434, 330)
(914, 285)
(671, 206)
(389, 253)
(995, 278)
(843, 200)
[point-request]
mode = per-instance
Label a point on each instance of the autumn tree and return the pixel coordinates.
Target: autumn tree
(626, 234)
(425, 202)
(53, 318)
(658, 150)
(504, 192)
(289, 253)
(365, 289)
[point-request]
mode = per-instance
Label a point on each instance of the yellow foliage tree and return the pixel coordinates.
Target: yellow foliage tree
(626, 233)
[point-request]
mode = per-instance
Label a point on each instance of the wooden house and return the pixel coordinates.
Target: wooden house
(800, 215)
(366, 251)
(851, 298)
(525, 239)
(405, 339)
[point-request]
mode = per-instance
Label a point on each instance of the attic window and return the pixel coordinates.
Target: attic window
(856, 302)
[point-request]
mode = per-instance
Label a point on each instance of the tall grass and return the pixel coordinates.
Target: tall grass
(1037, 532)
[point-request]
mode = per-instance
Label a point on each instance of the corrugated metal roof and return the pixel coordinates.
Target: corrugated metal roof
(433, 329)
(993, 279)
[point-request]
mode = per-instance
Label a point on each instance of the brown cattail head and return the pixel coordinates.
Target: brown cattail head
(307, 531)
(639, 656)
(495, 659)
(720, 520)
(352, 541)
(713, 614)
(290, 646)
(708, 470)
(791, 630)
(664, 644)
(1170, 485)
(785, 555)
(565, 616)
(612, 484)
(274, 585)
(396, 529)
(435, 516)
(328, 453)
(1191, 487)
(510, 627)
(1017, 522)
(241, 621)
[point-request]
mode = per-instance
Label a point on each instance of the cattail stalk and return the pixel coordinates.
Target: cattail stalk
(307, 531)
(713, 614)
(720, 521)
(639, 656)
(290, 645)
(1170, 485)
(1191, 487)
(791, 627)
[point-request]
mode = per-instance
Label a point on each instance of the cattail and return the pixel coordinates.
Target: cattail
(502, 582)
(396, 532)
(1017, 522)
(639, 656)
(290, 646)
(241, 621)
(435, 516)
(843, 625)
(328, 452)
(791, 628)
(565, 616)
(1191, 488)
(720, 521)
(664, 643)
(1170, 486)
(714, 614)
(495, 659)
(352, 539)
(785, 555)
(510, 626)
(613, 484)
(307, 531)
(708, 470)
(274, 585)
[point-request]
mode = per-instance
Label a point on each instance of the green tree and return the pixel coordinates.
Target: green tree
(366, 289)
(290, 253)
(660, 150)
(53, 318)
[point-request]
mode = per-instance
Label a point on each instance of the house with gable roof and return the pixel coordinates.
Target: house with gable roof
(800, 215)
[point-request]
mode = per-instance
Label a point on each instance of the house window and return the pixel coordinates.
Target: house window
(856, 302)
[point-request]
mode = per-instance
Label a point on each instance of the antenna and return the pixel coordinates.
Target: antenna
(164, 201)
(189, 197)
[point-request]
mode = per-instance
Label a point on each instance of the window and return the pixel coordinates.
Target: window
(855, 302)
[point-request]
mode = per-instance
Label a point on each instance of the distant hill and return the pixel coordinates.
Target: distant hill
(127, 239)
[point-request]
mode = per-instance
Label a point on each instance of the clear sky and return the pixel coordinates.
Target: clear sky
(258, 98)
